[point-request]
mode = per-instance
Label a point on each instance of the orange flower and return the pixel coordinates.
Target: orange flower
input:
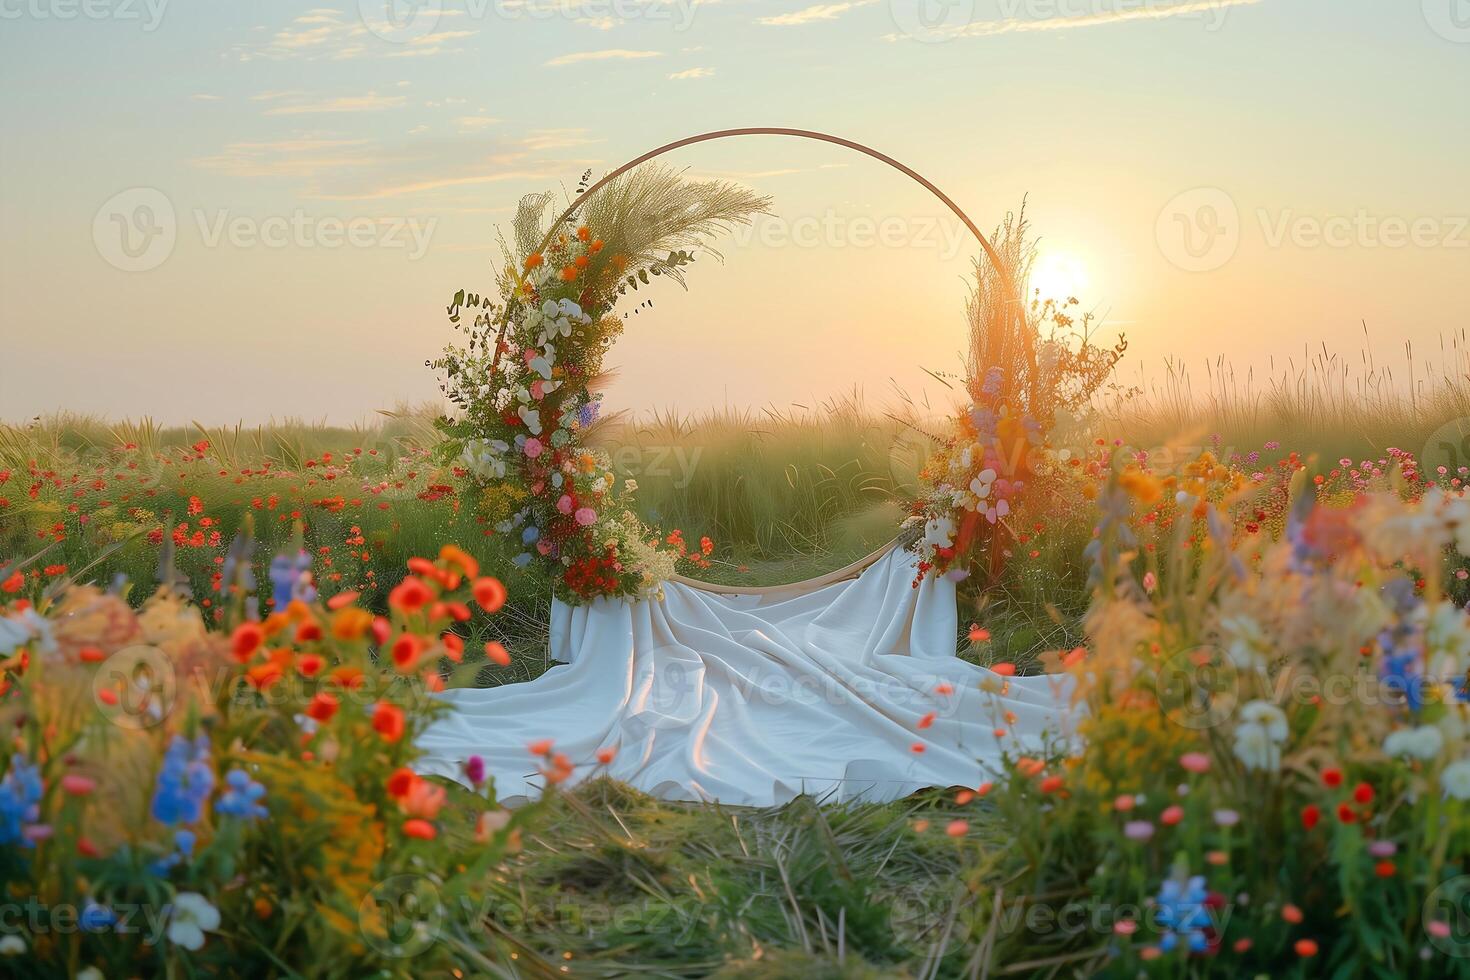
(342, 599)
(406, 651)
(569, 274)
(421, 829)
(453, 646)
(91, 655)
(410, 595)
(489, 593)
(1051, 784)
(1306, 948)
(605, 756)
(584, 233)
(262, 676)
(310, 664)
(957, 828)
(458, 556)
(1003, 669)
(349, 678)
(534, 260)
(927, 720)
(388, 721)
(497, 653)
(540, 747)
(246, 639)
(351, 623)
(322, 707)
(308, 632)
(14, 584)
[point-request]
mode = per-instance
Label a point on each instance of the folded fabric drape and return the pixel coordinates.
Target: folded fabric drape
(754, 699)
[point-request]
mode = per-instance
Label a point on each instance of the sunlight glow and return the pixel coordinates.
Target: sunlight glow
(1058, 276)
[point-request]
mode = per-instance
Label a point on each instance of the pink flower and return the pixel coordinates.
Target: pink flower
(533, 448)
(1195, 761)
(565, 503)
(1125, 927)
(1123, 803)
(75, 784)
(586, 516)
(1150, 582)
(1171, 815)
(1383, 848)
(538, 389)
(1138, 830)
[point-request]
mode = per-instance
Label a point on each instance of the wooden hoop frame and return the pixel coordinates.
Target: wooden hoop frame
(1018, 302)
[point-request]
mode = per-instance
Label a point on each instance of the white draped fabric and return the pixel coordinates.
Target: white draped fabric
(755, 699)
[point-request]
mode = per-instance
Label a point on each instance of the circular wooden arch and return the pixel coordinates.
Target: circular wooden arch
(1017, 301)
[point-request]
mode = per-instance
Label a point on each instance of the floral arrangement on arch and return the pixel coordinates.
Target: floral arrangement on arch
(1025, 375)
(525, 384)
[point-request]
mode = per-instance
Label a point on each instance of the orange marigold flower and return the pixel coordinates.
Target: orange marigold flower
(584, 233)
(388, 721)
(489, 593)
(569, 274)
(534, 260)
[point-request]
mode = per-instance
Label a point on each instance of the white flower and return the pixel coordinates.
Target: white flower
(89, 973)
(939, 532)
(1247, 642)
(1456, 779)
(21, 628)
(1423, 742)
(1446, 639)
(12, 945)
(191, 918)
(1259, 735)
(980, 486)
(532, 418)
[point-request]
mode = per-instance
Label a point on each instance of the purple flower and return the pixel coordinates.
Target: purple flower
(474, 769)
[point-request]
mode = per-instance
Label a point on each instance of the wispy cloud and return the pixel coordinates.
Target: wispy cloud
(419, 187)
(611, 54)
(689, 73)
(347, 103)
(304, 157)
(1213, 11)
(204, 97)
(813, 14)
(473, 124)
(543, 140)
(328, 35)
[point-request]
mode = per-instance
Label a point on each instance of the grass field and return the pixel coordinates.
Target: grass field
(611, 883)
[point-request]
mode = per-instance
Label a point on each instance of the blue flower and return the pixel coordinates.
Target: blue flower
(241, 797)
(20, 800)
(1182, 911)
(587, 414)
(184, 782)
(530, 534)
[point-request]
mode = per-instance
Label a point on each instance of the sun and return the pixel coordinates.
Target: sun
(1058, 276)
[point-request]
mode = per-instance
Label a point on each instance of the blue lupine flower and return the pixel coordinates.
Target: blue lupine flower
(530, 534)
(521, 560)
(1181, 910)
(1399, 673)
(184, 782)
(291, 579)
(185, 840)
(241, 797)
(587, 414)
(20, 800)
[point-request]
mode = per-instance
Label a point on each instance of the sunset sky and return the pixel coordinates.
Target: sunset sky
(246, 210)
